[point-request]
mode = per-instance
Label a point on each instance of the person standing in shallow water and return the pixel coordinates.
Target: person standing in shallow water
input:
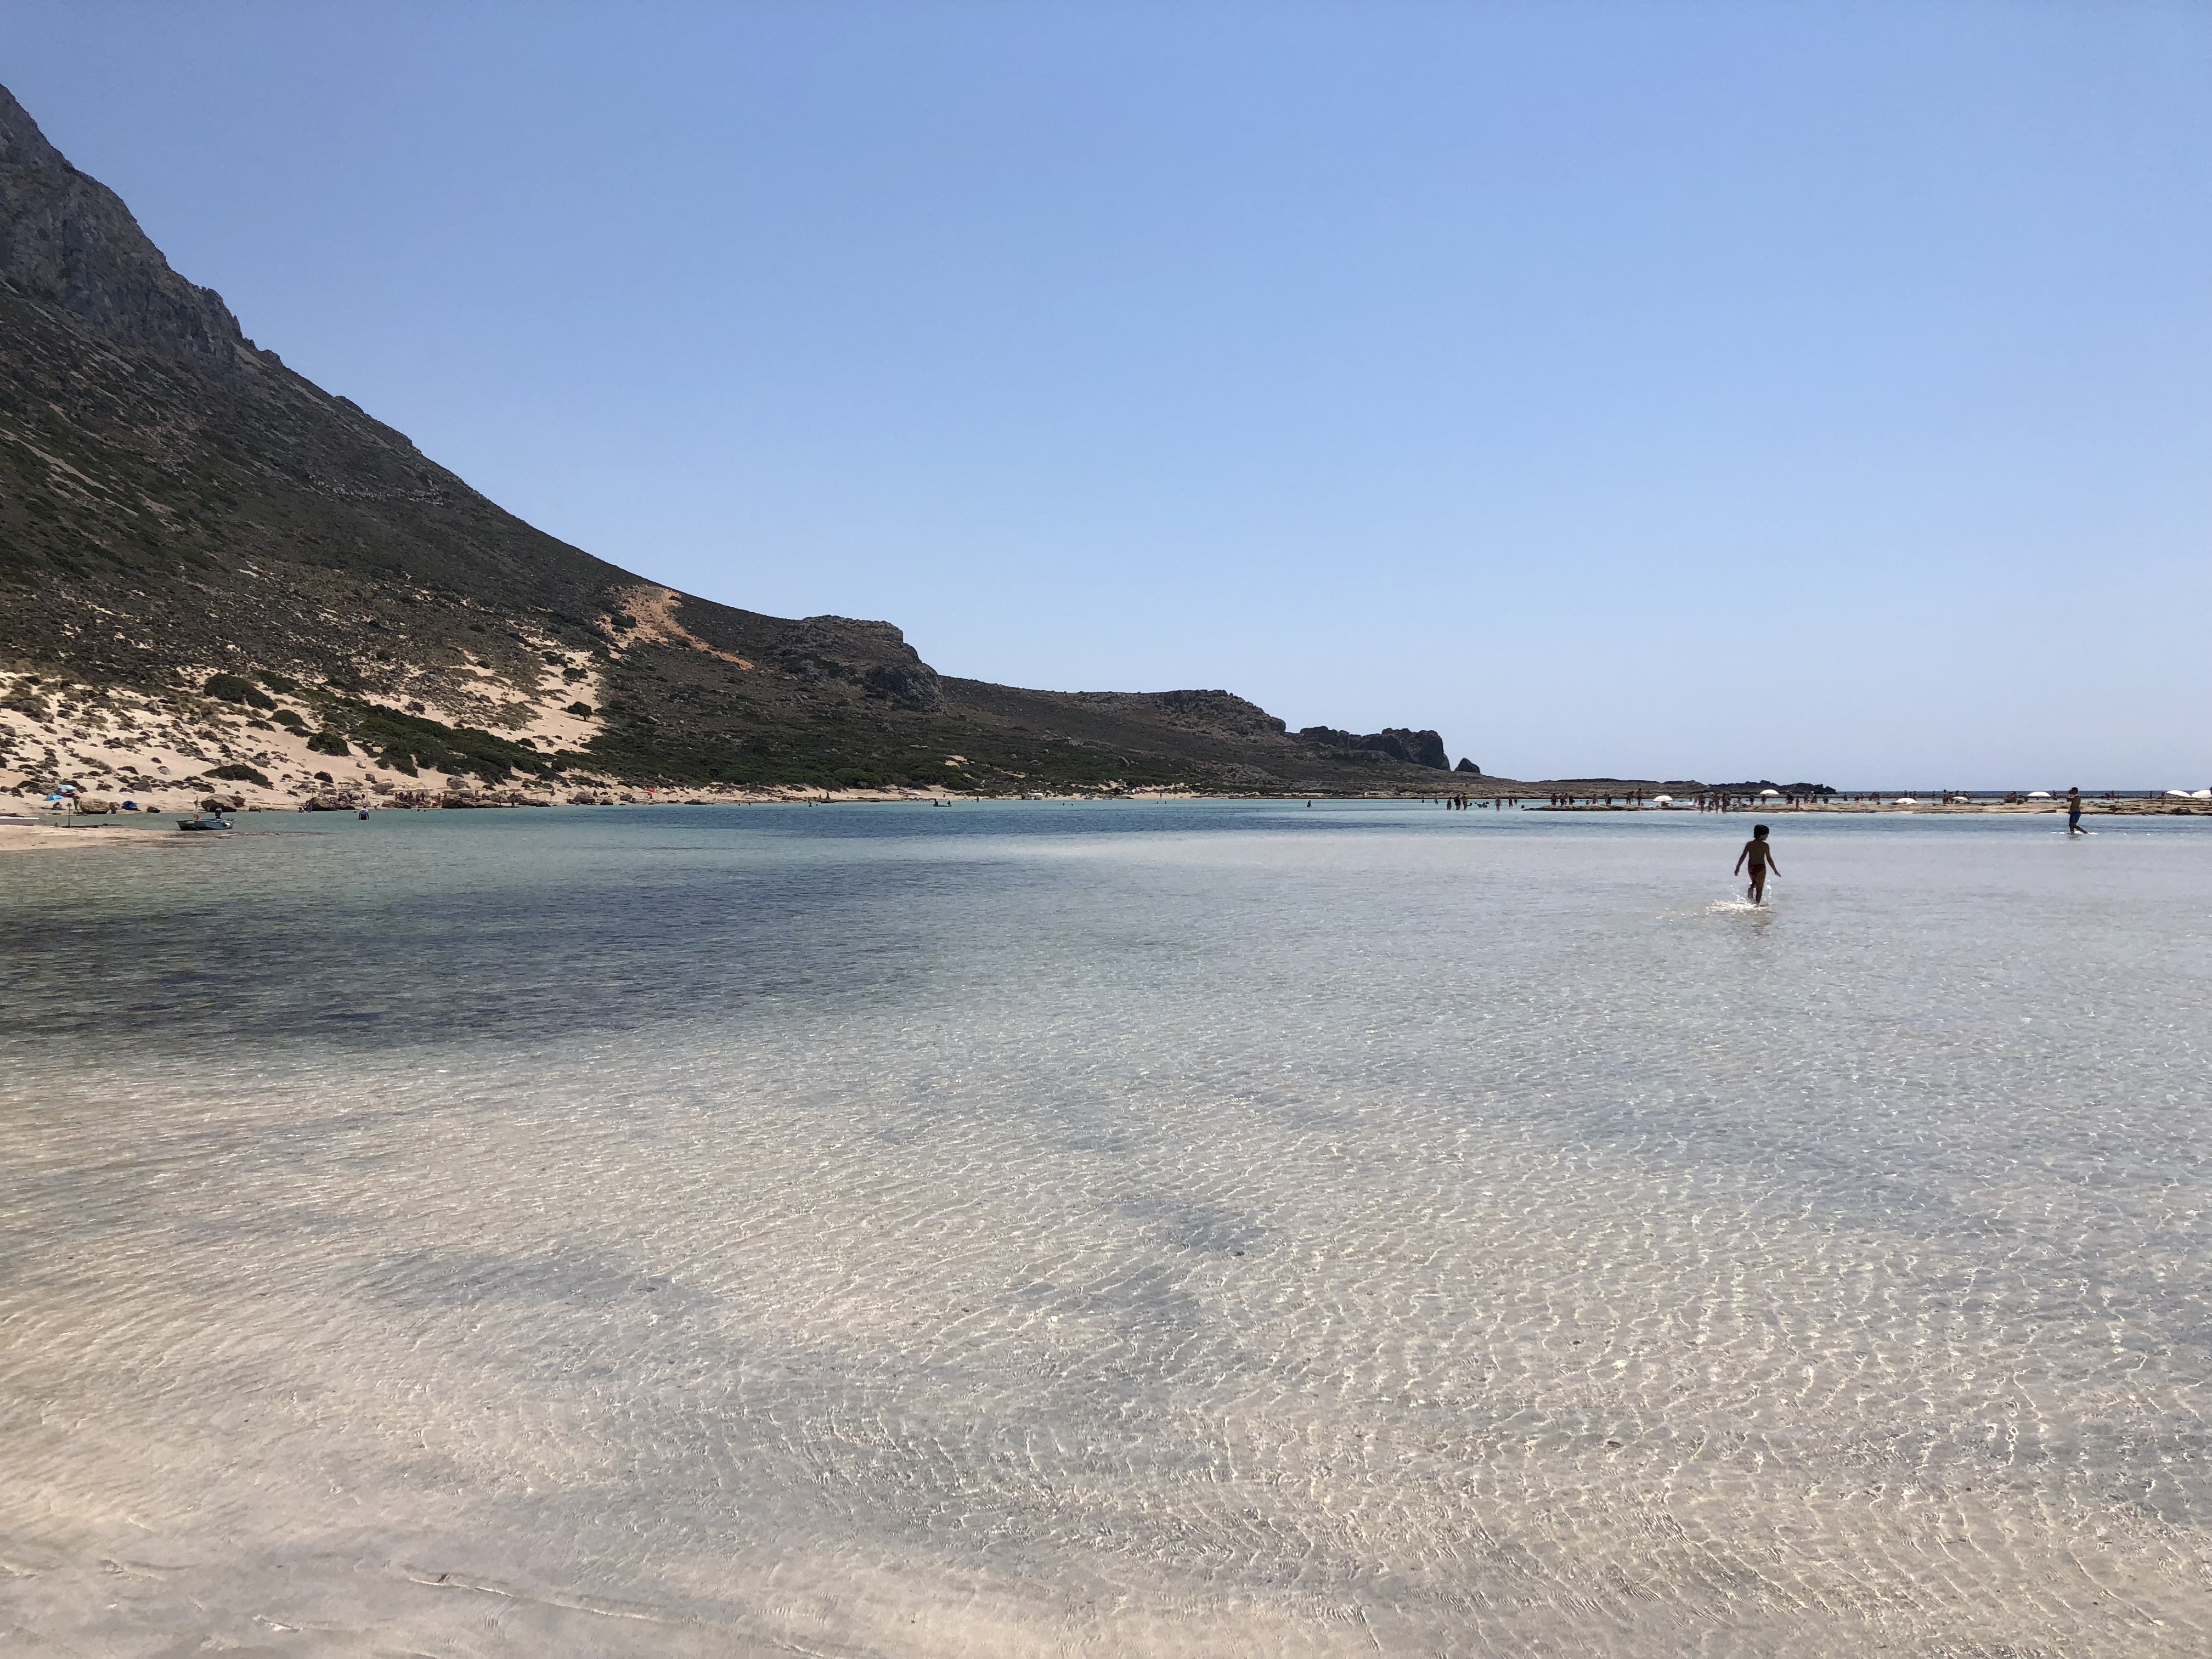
(2073, 812)
(1761, 857)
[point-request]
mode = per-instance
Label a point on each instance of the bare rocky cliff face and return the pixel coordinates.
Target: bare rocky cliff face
(1398, 744)
(67, 237)
(176, 505)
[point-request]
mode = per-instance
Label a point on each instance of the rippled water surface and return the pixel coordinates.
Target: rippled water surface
(1118, 1229)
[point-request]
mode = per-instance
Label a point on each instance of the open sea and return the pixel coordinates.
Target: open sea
(1119, 1229)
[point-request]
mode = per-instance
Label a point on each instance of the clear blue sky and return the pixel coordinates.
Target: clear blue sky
(1797, 390)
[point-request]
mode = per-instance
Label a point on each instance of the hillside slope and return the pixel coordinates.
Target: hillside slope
(176, 506)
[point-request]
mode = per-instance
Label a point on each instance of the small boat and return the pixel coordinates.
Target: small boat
(199, 821)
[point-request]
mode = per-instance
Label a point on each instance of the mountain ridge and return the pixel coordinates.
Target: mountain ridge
(177, 505)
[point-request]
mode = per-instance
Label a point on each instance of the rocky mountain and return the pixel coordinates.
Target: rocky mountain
(1414, 748)
(184, 522)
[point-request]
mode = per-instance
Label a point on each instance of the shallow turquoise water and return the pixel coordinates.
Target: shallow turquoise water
(1175, 1229)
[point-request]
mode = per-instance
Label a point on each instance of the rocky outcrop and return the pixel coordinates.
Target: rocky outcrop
(68, 238)
(1412, 748)
(1468, 766)
(872, 655)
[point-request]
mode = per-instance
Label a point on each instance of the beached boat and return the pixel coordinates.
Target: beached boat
(208, 821)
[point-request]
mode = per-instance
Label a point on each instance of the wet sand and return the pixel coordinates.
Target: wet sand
(83, 835)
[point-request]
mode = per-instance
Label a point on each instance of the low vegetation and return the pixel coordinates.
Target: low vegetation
(231, 687)
(411, 743)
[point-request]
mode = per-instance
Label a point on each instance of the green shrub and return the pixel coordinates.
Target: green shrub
(276, 681)
(237, 774)
(419, 741)
(328, 743)
(230, 688)
(582, 710)
(286, 717)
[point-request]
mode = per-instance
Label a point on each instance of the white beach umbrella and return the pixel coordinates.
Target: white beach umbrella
(1904, 800)
(2201, 794)
(1660, 800)
(1763, 793)
(2178, 794)
(2038, 794)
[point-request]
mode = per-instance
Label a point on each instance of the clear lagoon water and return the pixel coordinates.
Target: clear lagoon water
(1212, 1229)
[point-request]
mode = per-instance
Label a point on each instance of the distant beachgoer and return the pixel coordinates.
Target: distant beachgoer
(1761, 857)
(2073, 812)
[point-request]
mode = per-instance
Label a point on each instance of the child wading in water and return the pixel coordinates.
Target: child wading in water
(1760, 856)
